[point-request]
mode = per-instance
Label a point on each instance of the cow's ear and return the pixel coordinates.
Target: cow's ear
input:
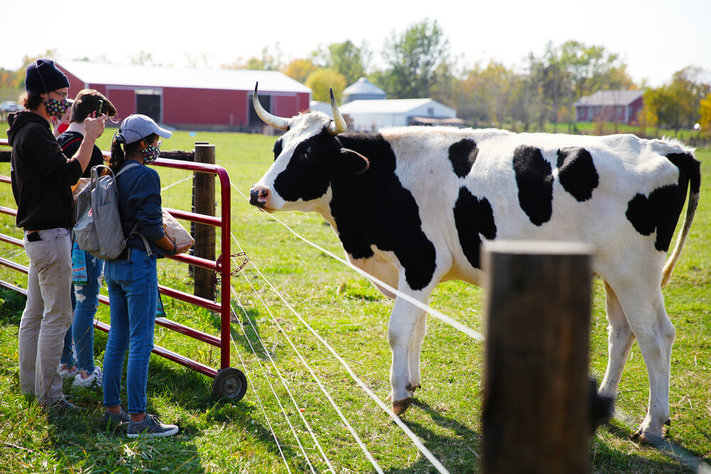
(351, 162)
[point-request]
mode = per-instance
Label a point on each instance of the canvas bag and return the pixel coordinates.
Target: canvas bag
(98, 222)
(175, 231)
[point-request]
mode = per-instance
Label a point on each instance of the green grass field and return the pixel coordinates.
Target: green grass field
(352, 317)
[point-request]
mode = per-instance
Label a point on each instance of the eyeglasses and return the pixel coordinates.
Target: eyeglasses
(63, 95)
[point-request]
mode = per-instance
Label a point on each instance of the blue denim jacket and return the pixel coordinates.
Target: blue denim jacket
(139, 201)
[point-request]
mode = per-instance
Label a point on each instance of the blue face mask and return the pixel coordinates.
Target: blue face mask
(56, 108)
(150, 153)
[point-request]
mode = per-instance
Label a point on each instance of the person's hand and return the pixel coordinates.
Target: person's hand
(183, 248)
(94, 127)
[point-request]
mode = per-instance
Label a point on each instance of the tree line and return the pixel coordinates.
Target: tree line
(418, 63)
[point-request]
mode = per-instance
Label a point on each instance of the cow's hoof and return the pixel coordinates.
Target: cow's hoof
(411, 388)
(649, 438)
(401, 406)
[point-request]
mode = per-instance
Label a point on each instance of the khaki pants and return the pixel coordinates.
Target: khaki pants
(47, 314)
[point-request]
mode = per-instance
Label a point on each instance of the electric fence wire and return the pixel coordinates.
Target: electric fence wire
(415, 440)
(338, 410)
(278, 372)
(251, 381)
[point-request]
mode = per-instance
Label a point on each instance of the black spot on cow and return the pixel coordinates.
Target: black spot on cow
(535, 184)
(278, 148)
(462, 155)
(577, 173)
(306, 176)
(661, 209)
(373, 208)
(473, 218)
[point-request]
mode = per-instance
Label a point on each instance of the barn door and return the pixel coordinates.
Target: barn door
(148, 102)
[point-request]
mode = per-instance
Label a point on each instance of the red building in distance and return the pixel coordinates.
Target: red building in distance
(190, 99)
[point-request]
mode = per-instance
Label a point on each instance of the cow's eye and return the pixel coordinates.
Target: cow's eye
(307, 153)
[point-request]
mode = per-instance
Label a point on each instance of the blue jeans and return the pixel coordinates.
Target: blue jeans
(85, 300)
(133, 294)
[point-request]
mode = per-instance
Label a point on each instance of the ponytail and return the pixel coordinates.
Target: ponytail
(117, 154)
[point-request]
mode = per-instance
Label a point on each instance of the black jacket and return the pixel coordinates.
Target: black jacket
(41, 175)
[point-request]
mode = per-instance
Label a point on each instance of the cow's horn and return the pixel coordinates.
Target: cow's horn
(339, 123)
(269, 119)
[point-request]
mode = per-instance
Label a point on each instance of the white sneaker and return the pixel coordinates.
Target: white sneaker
(67, 372)
(94, 378)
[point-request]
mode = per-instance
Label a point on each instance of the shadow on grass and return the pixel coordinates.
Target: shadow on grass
(244, 330)
(678, 457)
(192, 392)
(457, 450)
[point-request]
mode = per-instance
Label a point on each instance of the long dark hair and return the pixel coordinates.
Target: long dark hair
(119, 152)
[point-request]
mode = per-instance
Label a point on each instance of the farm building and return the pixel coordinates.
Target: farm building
(619, 106)
(193, 99)
(372, 115)
(362, 89)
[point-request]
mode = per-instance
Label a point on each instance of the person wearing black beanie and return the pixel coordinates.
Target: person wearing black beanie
(42, 177)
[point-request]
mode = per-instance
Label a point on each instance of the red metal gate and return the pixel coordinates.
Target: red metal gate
(228, 382)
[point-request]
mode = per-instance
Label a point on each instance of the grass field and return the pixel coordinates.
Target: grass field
(352, 316)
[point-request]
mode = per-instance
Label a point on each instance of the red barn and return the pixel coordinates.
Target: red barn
(192, 99)
(621, 106)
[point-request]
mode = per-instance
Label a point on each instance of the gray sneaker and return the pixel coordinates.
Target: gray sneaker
(116, 419)
(150, 426)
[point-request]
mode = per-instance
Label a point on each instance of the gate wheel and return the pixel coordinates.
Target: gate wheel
(229, 383)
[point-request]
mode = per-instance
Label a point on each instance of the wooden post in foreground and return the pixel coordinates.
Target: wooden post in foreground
(535, 415)
(204, 203)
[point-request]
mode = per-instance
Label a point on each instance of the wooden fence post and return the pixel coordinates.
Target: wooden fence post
(204, 203)
(535, 415)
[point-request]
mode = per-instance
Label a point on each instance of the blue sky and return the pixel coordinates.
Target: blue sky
(654, 37)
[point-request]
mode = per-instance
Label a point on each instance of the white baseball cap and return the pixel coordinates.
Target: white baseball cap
(138, 126)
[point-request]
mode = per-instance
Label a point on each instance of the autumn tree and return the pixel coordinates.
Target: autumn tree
(322, 80)
(300, 69)
(705, 115)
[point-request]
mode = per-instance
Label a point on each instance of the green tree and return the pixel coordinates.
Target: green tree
(412, 60)
(346, 59)
(322, 80)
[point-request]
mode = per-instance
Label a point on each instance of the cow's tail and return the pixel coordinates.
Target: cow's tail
(689, 166)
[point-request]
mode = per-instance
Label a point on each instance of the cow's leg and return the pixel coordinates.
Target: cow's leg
(403, 323)
(619, 338)
(415, 346)
(644, 308)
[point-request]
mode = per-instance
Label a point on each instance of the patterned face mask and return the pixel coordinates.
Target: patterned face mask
(151, 152)
(56, 108)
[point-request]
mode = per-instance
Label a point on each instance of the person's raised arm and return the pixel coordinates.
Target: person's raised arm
(93, 128)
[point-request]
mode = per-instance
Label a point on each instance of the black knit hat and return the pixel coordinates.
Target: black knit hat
(43, 76)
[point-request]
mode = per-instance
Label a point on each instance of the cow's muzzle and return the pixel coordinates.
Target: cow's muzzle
(258, 196)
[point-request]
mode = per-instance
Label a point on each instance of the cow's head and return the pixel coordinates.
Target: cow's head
(306, 158)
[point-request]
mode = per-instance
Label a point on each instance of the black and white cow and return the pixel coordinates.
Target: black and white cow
(412, 206)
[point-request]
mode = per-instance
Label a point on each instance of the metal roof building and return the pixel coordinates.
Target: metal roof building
(362, 89)
(372, 115)
(197, 99)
